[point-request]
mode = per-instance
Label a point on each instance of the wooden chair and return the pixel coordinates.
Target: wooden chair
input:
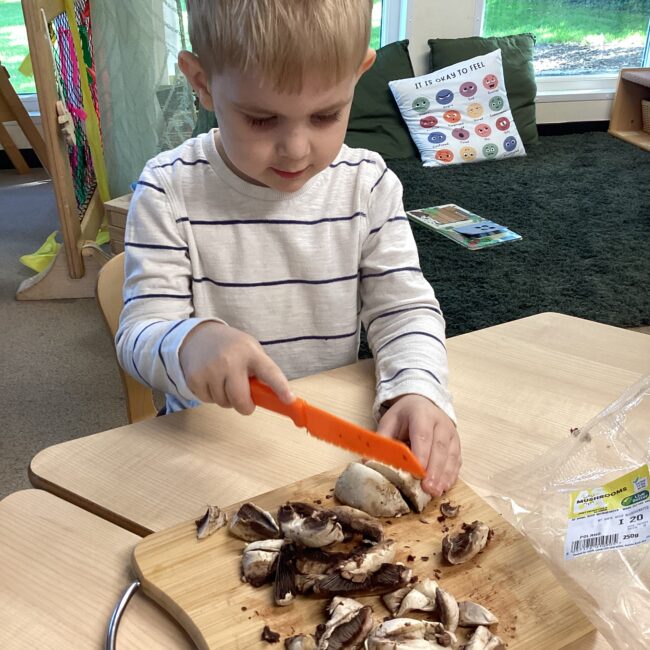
(108, 292)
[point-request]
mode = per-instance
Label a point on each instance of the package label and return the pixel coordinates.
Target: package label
(614, 515)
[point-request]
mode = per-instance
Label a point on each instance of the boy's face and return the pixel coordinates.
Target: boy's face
(276, 139)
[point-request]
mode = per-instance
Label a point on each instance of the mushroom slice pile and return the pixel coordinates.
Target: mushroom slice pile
(251, 523)
(364, 488)
(259, 561)
(357, 521)
(309, 526)
(463, 546)
(483, 639)
(407, 484)
(213, 519)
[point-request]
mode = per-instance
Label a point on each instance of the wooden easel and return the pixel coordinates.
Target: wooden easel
(12, 109)
(73, 272)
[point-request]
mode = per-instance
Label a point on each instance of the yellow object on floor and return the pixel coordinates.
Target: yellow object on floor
(39, 260)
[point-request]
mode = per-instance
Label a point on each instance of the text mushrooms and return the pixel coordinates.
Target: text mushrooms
(364, 488)
(463, 546)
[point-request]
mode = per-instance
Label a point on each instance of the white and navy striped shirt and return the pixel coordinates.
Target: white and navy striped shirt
(298, 271)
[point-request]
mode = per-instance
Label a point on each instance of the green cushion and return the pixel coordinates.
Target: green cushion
(518, 71)
(375, 121)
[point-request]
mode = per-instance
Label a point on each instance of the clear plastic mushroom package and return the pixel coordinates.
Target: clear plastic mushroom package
(585, 507)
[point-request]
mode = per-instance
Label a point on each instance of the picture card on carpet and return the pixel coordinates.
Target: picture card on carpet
(462, 226)
(460, 113)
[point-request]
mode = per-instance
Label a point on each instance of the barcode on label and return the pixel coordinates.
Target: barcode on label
(593, 542)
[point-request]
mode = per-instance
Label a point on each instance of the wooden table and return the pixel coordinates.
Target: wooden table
(62, 570)
(518, 388)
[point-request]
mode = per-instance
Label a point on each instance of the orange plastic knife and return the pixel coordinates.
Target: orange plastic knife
(337, 431)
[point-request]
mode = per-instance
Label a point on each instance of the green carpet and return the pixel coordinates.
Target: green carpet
(581, 202)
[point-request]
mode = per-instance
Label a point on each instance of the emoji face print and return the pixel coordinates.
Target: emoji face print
(444, 96)
(490, 150)
(460, 134)
(468, 153)
(437, 137)
(490, 82)
(510, 143)
(444, 155)
(503, 123)
(482, 130)
(468, 89)
(475, 110)
(451, 116)
(496, 103)
(428, 122)
(420, 105)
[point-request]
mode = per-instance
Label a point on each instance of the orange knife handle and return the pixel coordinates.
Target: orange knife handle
(263, 396)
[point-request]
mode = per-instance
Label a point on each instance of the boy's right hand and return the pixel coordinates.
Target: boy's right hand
(217, 361)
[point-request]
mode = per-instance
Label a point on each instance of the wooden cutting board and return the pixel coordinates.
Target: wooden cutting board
(198, 581)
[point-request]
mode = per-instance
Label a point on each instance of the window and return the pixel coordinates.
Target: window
(13, 45)
(375, 34)
(576, 37)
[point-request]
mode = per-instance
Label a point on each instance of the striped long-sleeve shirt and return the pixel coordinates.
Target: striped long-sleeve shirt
(298, 271)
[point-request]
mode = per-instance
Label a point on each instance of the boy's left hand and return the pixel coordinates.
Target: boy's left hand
(433, 437)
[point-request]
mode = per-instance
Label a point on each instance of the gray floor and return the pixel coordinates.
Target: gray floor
(59, 379)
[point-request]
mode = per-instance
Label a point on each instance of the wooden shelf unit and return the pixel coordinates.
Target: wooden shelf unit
(626, 122)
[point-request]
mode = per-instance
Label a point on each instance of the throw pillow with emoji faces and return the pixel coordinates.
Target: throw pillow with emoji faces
(460, 114)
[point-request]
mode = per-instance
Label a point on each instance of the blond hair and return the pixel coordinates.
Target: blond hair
(281, 40)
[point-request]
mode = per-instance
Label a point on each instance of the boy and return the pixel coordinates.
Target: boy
(258, 248)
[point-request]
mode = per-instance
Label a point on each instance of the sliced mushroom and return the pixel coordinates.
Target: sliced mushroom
(358, 521)
(407, 484)
(362, 487)
(258, 561)
(349, 634)
(365, 561)
(479, 640)
(388, 577)
(394, 599)
(421, 597)
(472, 615)
(251, 523)
(400, 628)
(495, 643)
(309, 526)
(447, 609)
(464, 546)
(300, 642)
(213, 519)
(348, 625)
(408, 634)
(449, 509)
(284, 588)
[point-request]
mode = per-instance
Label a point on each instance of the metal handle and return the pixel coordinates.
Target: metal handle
(114, 623)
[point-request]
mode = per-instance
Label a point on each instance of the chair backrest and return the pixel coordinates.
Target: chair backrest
(139, 398)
